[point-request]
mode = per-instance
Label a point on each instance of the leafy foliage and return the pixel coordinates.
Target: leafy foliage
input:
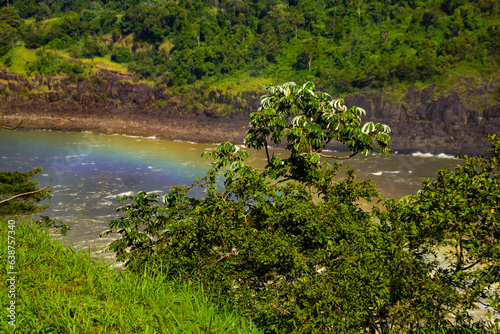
(50, 225)
(9, 26)
(49, 63)
(121, 54)
(458, 214)
(341, 45)
(276, 256)
(290, 264)
(297, 265)
(307, 121)
(14, 183)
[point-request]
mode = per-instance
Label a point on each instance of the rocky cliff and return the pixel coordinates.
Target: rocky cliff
(453, 121)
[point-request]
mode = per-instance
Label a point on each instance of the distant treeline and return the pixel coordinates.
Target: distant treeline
(343, 45)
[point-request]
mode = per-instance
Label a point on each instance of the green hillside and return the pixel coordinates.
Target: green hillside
(342, 46)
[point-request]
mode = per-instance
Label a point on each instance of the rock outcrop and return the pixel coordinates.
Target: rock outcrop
(430, 122)
(453, 121)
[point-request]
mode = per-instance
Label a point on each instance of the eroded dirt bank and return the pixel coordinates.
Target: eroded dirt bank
(454, 122)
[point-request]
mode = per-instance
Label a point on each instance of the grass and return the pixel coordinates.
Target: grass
(242, 83)
(60, 290)
(105, 63)
(20, 57)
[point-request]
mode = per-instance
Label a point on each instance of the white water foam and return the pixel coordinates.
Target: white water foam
(445, 156)
(127, 193)
(185, 141)
(430, 155)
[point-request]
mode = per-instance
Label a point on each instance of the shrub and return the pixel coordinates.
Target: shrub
(121, 54)
(92, 49)
(47, 63)
(302, 257)
(457, 214)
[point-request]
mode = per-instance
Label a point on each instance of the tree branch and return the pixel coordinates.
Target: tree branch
(228, 254)
(335, 157)
(312, 195)
(267, 154)
(321, 149)
(471, 265)
(6, 127)
(25, 194)
(280, 181)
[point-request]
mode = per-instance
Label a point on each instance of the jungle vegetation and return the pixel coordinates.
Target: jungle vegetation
(340, 45)
(289, 246)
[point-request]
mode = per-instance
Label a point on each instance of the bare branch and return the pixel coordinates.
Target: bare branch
(25, 194)
(335, 157)
(267, 154)
(471, 265)
(6, 127)
(326, 143)
(281, 181)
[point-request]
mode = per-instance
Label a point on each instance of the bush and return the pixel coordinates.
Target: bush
(121, 54)
(33, 39)
(75, 51)
(71, 68)
(56, 44)
(458, 214)
(47, 63)
(92, 49)
(303, 257)
(290, 264)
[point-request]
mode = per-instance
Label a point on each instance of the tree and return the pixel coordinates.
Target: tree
(310, 49)
(296, 266)
(18, 194)
(307, 121)
(266, 247)
(426, 58)
(121, 54)
(9, 27)
(93, 49)
(457, 214)
(358, 4)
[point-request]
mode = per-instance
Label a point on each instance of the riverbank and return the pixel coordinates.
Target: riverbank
(55, 289)
(422, 119)
(201, 130)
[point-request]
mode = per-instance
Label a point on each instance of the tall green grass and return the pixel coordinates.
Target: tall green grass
(20, 58)
(61, 290)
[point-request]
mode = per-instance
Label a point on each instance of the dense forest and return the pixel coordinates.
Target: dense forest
(340, 45)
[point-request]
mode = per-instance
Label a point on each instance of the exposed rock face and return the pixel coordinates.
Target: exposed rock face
(447, 124)
(454, 122)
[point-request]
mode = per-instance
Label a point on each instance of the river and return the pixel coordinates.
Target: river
(89, 172)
